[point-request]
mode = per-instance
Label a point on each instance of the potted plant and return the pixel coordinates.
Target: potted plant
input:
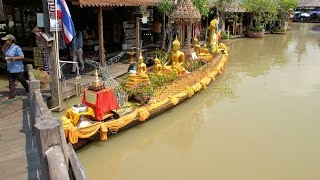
(260, 9)
(284, 9)
(42, 76)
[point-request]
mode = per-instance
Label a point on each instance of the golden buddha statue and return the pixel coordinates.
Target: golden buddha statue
(204, 53)
(204, 49)
(213, 28)
(223, 48)
(157, 67)
(142, 68)
(196, 45)
(140, 77)
(177, 57)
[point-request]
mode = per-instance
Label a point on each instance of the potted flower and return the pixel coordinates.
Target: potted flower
(42, 76)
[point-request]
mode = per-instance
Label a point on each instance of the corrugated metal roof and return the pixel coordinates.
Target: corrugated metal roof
(104, 3)
(308, 3)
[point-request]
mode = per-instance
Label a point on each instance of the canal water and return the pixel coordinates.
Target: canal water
(265, 126)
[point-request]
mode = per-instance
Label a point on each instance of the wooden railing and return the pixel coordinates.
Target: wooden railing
(58, 159)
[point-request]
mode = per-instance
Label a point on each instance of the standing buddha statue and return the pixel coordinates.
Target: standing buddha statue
(213, 39)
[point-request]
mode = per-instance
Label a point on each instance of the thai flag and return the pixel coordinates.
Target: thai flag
(67, 23)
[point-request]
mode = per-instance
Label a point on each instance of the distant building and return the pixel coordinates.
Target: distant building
(308, 3)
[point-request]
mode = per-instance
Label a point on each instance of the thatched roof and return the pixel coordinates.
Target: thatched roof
(104, 3)
(186, 11)
(308, 3)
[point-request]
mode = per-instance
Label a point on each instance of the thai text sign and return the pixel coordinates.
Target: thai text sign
(91, 97)
(55, 22)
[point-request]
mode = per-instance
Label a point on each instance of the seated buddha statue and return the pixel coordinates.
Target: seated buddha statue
(177, 58)
(142, 68)
(196, 45)
(140, 77)
(157, 67)
(204, 49)
(204, 53)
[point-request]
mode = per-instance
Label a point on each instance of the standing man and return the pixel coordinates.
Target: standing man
(14, 56)
(77, 52)
(156, 31)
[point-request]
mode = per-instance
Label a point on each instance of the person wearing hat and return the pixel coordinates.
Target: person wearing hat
(14, 56)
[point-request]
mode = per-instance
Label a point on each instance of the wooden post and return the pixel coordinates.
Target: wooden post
(101, 38)
(164, 31)
(188, 43)
(138, 36)
(46, 16)
(49, 132)
(33, 85)
(76, 165)
(207, 24)
(57, 166)
(53, 65)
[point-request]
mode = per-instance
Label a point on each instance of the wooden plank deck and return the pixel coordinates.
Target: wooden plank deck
(18, 152)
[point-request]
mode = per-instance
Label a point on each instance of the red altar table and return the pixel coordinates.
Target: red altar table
(101, 102)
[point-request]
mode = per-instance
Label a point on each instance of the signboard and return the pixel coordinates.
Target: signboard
(55, 22)
(40, 20)
(91, 97)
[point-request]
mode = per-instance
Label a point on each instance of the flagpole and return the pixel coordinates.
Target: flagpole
(56, 38)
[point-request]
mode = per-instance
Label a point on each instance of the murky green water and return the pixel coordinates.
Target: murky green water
(267, 128)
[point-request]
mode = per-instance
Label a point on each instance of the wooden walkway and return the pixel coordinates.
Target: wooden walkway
(19, 157)
(18, 152)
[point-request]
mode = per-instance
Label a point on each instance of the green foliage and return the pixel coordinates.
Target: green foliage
(263, 10)
(193, 65)
(279, 29)
(256, 28)
(285, 7)
(225, 35)
(143, 93)
(42, 76)
(166, 7)
(161, 80)
(203, 6)
(162, 55)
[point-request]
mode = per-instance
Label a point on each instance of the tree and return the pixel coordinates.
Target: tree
(203, 6)
(167, 7)
(223, 6)
(262, 11)
(284, 8)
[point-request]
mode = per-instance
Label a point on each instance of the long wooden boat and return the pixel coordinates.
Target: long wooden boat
(172, 94)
